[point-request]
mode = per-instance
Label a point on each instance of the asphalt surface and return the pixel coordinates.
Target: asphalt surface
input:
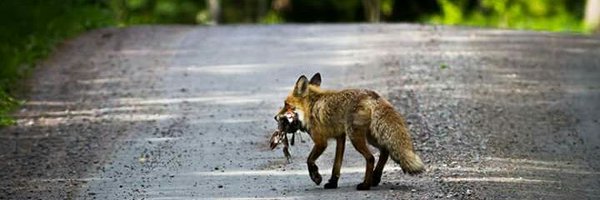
(182, 112)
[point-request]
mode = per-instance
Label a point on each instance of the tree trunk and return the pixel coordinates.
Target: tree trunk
(592, 15)
(372, 8)
(215, 11)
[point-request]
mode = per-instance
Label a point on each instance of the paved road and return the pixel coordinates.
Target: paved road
(177, 112)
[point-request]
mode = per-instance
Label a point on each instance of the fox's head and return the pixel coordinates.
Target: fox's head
(295, 106)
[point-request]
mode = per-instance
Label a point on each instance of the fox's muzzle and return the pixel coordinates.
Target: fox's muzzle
(289, 115)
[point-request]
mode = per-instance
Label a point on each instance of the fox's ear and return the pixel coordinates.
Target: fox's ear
(301, 87)
(316, 79)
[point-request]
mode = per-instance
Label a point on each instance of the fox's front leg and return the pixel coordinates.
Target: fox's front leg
(339, 155)
(317, 150)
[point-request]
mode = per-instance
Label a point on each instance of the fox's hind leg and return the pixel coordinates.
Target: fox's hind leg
(383, 157)
(359, 141)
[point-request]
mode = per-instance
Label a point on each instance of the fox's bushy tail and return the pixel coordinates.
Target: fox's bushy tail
(390, 131)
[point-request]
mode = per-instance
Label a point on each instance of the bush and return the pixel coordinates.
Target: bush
(549, 15)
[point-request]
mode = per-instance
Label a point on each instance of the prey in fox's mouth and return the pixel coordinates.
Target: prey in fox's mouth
(287, 123)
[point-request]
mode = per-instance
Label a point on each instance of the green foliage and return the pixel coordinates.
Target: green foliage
(7, 104)
(272, 17)
(550, 15)
(130, 12)
(387, 7)
(33, 28)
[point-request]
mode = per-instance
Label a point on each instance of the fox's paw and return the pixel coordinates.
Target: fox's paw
(316, 177)
(376, 179)
(331, 184)
(313, 171)
(363, 186)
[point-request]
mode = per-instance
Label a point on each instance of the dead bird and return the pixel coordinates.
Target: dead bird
(287, 124)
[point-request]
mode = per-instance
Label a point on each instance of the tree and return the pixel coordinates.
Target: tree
(592, 15)
(372, 10)
(215, 11)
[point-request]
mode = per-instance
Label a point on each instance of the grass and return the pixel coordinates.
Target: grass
(7, 104)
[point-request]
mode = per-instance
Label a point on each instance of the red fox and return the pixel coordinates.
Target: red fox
(361, 115)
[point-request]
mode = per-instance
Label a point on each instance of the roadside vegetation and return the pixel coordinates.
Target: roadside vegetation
(31, 29)
(541, 15)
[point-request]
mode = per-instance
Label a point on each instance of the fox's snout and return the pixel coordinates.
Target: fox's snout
(288, 115)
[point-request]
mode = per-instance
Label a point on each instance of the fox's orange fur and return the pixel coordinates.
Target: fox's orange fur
(362, 116)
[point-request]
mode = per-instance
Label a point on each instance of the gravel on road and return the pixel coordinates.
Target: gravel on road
(185, 112)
